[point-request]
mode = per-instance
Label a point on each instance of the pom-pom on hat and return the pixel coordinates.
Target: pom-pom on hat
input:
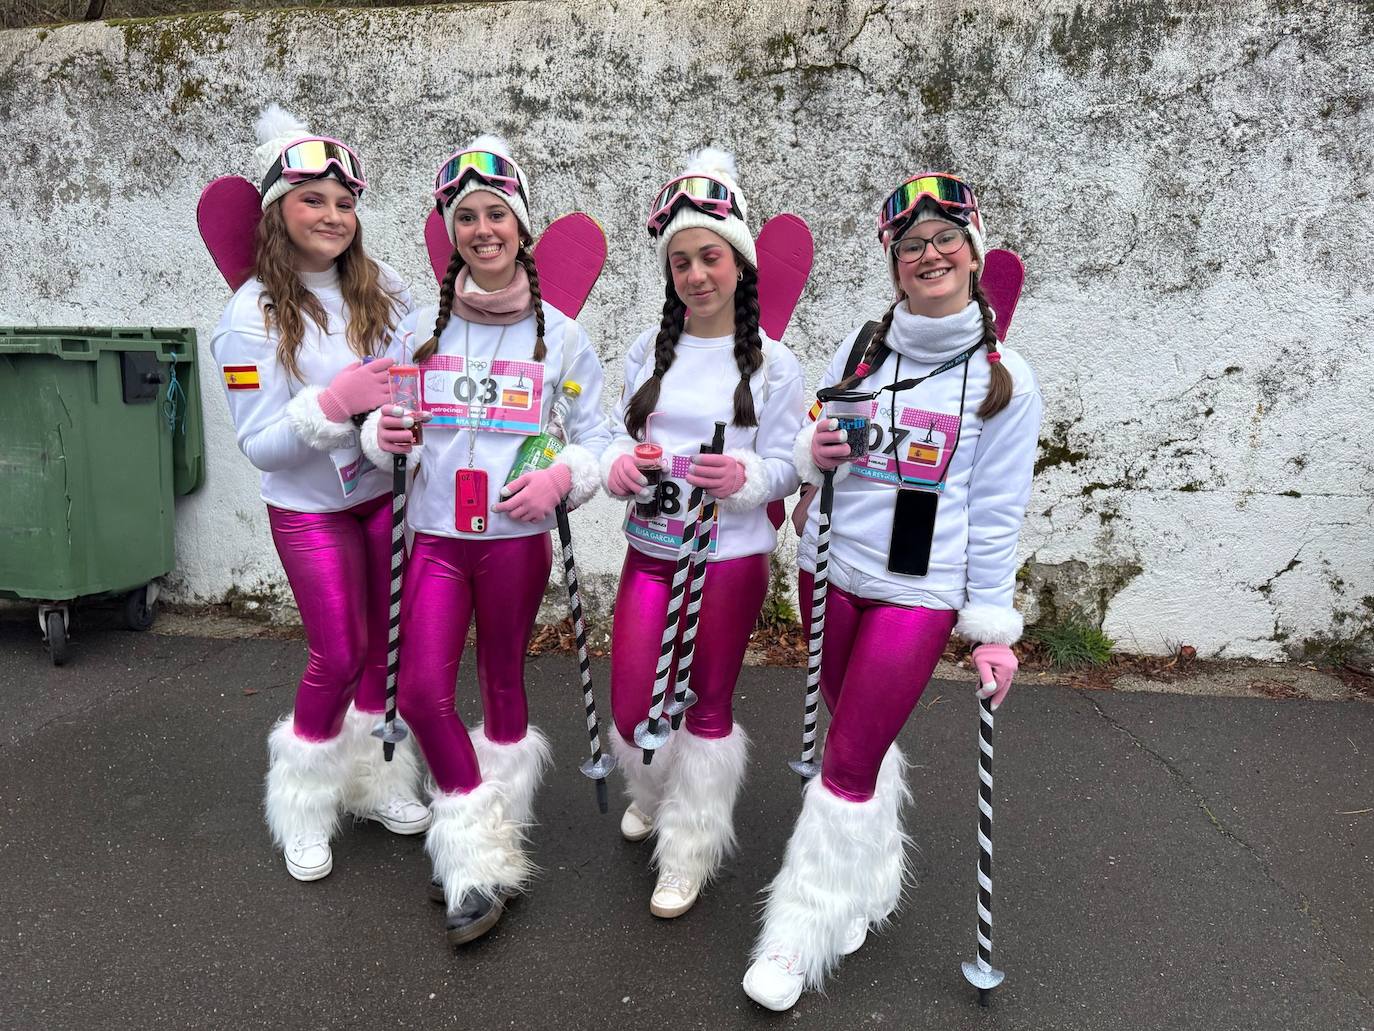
(493, 145)
(718, 164)
(276, 128)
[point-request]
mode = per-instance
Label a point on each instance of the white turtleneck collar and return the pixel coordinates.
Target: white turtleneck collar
(326, 280)
(934, 340)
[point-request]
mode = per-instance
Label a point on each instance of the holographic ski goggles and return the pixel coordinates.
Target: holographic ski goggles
(491, 169)
(313, 158)
(703, 192)
(951, 195)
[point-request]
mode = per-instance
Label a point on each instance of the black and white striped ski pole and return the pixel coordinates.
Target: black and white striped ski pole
(683, 695)
(981, 973)
(391, 731)
(807, 767)
(653, 731)
(601, 763)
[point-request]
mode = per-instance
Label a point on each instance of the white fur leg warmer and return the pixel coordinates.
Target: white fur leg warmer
(475, 845)
(305, 781)
(832, 872)
(893, 870)
(372, 781)
(516, 768)
(696, 818)
(644, 785)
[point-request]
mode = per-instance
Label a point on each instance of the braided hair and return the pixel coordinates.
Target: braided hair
(526, 260)
(748, 344)
(665, 350)
(446, 289)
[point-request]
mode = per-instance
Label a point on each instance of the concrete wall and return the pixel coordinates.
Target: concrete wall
(1189, 187)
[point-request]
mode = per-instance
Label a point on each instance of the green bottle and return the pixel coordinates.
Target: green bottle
(539, 451)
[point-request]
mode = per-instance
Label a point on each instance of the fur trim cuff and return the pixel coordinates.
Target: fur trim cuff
(367, 440)
(475, 845)
(807, 469)
(614, 450)
(754, 491)
(990, 624)
(586, 473)
(313, 426)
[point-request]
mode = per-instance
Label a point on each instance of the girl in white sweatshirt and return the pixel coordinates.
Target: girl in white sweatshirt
(922, 544)
(706, 362)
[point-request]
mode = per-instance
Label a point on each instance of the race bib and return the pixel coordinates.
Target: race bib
(351, 465)
(917, 453)
(668, 527)
(502, 396)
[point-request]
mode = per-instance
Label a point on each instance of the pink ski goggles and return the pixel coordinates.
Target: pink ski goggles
(951, 195)
(313, 158)
(703, 192)
(491, 169)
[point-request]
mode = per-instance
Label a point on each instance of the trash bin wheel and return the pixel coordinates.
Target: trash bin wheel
(138, 614)
(57, 638)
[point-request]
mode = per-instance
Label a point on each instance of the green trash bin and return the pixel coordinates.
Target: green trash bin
(99, 429)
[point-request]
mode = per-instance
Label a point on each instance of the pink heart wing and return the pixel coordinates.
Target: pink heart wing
(569, 256)
(785, 251)
(228, 214)
(1003, 276)
(436, 243)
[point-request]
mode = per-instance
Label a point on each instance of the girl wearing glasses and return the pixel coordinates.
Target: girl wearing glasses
(706, 362)
(923, 544)
(493, 357)
(290, 347)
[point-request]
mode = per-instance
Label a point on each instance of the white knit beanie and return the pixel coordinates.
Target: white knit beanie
(718, 164)
(493, 145)
(276, 129)
(929, 211)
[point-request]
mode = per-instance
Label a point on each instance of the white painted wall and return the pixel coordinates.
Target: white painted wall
(1189, 188)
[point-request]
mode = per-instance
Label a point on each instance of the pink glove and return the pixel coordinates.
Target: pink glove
(996, 665)
(393, 429)
(359, 388)
(719, 475)
(532, 496)
(626, 480)
(829, 445)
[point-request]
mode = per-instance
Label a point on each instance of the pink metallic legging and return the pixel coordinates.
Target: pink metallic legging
(876, 661)
(447, 581)
(730, 602)
(339, 568)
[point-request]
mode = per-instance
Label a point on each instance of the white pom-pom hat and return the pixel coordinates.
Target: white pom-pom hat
(718, 164)
(277, 129)
(492, 145)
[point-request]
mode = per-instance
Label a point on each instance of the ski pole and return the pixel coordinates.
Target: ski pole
(981, 973)
(390, 731)
(683, 696)
(806, 767)
(651, 732)
(600, 764)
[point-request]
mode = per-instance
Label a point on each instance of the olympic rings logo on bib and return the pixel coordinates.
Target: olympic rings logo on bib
(502, 396)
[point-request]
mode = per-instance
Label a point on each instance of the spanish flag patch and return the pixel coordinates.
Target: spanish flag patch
(241, 377)
(814, 412)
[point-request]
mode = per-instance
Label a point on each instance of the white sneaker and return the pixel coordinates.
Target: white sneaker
(855, 936)
(775, 981)
(635, 825)
(674, 894)
(308, 857)
(401, 815)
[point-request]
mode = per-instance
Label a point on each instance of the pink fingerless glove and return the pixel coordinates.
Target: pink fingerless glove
(829, 445)
(358, 388)
(996, 665)
(625, 479)
(393, 429)
(719, 475)
(532, 496)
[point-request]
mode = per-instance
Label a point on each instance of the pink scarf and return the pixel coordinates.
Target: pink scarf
(503, 307)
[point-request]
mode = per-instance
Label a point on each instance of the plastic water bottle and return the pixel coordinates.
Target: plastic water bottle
(539, 451)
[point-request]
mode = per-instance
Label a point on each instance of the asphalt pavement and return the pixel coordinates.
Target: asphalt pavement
(1162, 862)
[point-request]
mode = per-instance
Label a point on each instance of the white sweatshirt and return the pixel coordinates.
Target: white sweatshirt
(431, 505)
(308, 463)
(986, 482)
(697, 391)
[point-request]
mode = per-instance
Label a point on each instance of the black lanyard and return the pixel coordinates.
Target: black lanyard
(896, 386)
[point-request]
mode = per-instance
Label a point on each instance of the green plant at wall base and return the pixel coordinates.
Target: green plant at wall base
(1074, 643)
(778, 611)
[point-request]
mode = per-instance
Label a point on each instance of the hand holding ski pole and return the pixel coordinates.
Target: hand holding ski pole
(996, 665)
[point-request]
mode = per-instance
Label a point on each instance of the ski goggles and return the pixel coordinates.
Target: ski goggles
(953, 196)
(703, 192)
(313, 158)
(491, 169)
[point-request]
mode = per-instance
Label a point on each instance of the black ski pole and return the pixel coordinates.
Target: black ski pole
(807, 767)
(601, 763)
(391, 732)
(981, 973)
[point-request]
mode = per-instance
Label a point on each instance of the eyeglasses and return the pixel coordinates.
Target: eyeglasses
(947, 241)
(313, 158)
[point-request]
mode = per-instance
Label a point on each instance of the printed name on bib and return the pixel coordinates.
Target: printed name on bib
(668, 527)
(502, 396)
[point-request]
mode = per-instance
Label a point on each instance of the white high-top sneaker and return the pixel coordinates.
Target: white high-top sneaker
(303, 798)
(386, 792)
(775, 980)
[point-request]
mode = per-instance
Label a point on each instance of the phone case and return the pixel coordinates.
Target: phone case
(913, 532)
(470, 501)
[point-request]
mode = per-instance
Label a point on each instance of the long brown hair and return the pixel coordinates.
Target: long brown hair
(748, 351)
(449, 285)
(1000, 384)
(287, 302)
